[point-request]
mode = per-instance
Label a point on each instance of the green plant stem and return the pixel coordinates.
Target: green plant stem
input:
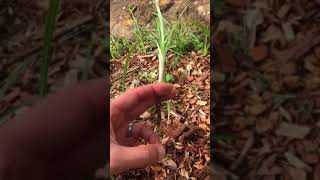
(126, 65)
(163, 46)
(47, 50)
(161, 43)
(168, 109)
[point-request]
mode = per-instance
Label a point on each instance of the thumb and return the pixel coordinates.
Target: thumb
(140, 156)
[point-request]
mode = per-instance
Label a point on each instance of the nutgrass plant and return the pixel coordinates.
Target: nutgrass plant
(163, 42)
(177, 37)
(163, 45)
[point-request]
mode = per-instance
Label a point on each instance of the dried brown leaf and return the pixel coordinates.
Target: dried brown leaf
(201, 103)
(296, 162)
(259, 53)
(273, 33)
(145, 115)
(297, 174)
(292, 130)
(256, 109)
(175, 129)
(263, 125)
(170, 163)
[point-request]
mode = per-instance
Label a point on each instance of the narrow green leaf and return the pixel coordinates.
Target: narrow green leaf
(47, 50)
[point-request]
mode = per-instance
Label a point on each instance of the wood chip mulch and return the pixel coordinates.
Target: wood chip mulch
(267, 98)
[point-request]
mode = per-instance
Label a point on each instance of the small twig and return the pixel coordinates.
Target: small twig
(147, 56)
(244, 152)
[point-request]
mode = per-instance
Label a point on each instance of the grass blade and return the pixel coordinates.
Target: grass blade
(47, 50)
(125, 72)
(168, 109)
(161, 43)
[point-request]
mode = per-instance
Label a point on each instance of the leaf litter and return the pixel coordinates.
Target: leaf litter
(266, 90)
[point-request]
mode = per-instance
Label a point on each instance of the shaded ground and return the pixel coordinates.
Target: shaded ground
(121, 22)
(79, 51)
(267, 90)
(186, 134)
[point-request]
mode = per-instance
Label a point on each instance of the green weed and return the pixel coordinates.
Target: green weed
(48, 46)
(182, 37)
(190, 36)
(164, 45)
(149, 77)
(162, 41)
(142, 35)
(119, 47)
(126, 65)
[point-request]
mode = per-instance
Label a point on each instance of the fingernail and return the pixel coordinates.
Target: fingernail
(162, 152)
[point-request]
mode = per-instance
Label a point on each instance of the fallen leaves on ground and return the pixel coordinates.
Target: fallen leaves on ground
(267, 90)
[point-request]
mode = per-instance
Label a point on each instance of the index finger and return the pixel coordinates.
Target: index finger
(136, 101)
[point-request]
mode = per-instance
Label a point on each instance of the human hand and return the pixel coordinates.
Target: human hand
(125, 154)
(61, 137)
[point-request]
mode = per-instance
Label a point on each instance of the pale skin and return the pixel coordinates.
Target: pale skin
(65, 135)
(124, 152)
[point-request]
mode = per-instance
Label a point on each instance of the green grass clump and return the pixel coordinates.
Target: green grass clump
(190, 36)
(119, 47)
(182, 37)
